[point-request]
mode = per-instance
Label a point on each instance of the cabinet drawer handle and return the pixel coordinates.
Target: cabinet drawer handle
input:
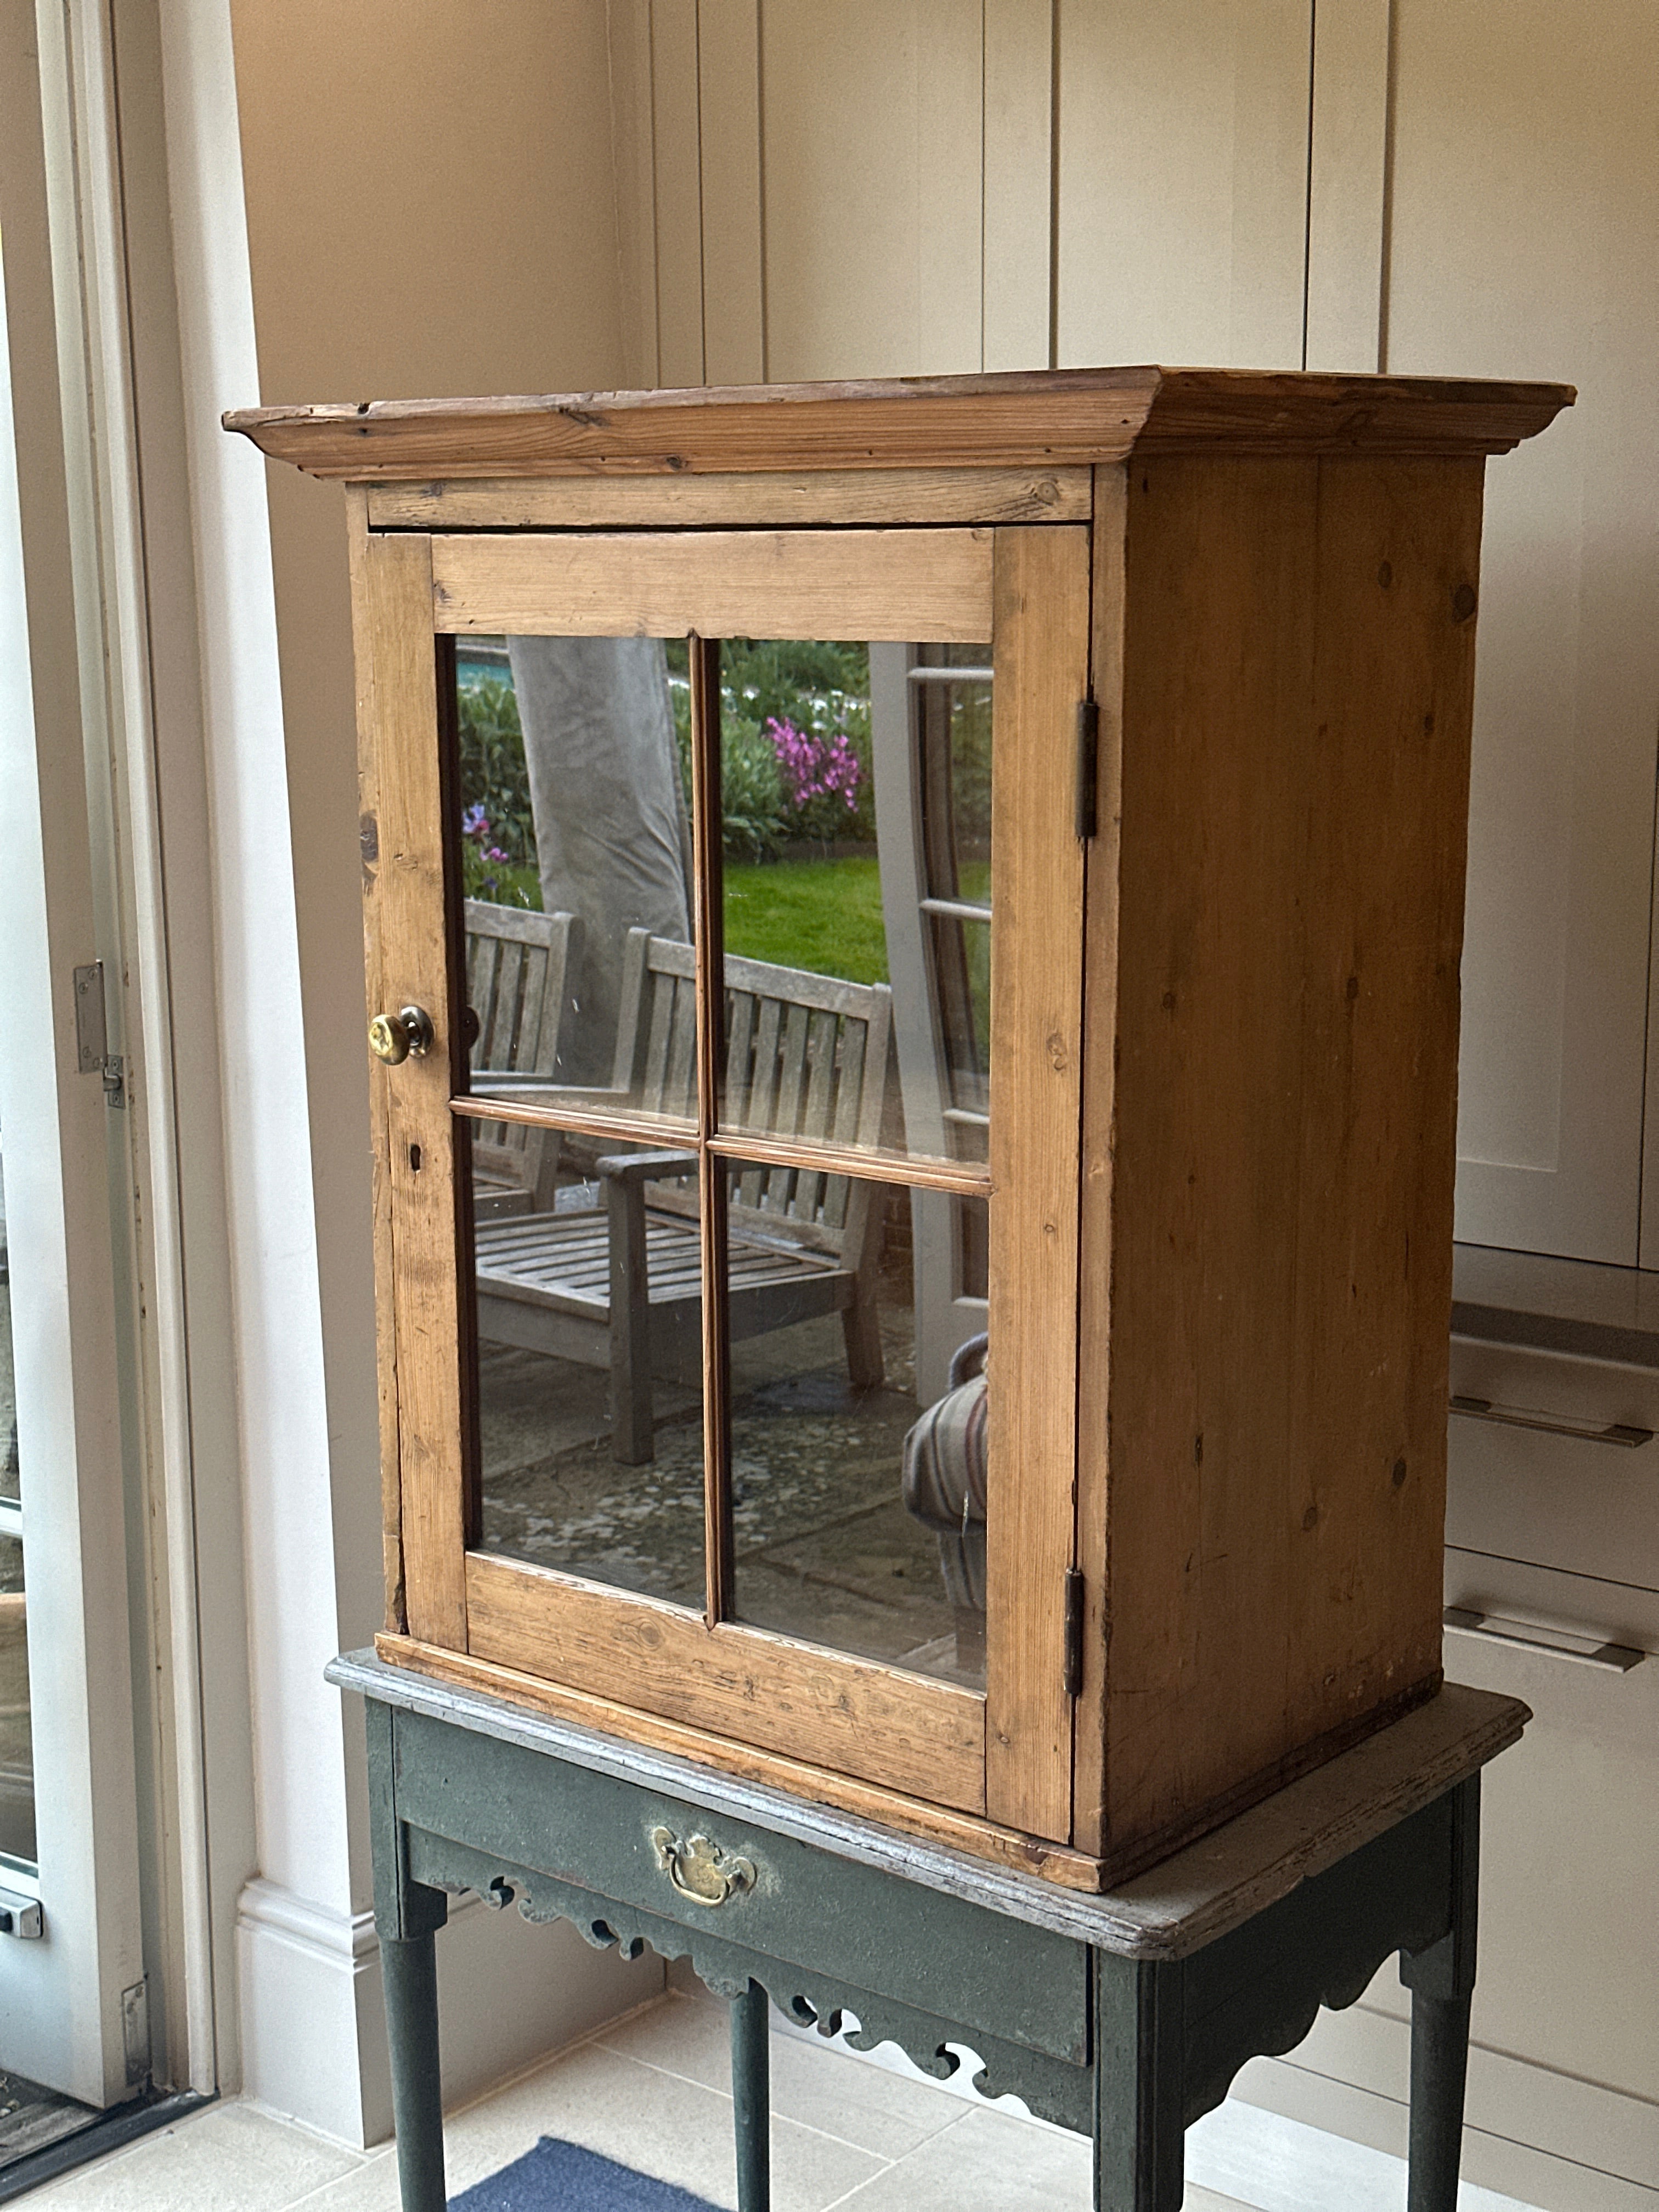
(1611, 1658)
(1511, 1417)
(700, 1870)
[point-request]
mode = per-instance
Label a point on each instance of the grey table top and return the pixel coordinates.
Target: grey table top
(1171, 1910)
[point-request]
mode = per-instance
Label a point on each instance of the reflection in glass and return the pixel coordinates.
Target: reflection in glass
(858, 1510)
(575, 868)
(589, 1378)
(16, 1752)
(855, 799)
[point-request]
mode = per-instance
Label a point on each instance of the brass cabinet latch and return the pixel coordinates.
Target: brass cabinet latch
(394, 1037)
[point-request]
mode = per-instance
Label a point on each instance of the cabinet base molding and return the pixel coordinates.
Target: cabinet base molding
(963, 1831)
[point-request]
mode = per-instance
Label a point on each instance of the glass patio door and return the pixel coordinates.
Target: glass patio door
(644, 1085)
(72, 1990)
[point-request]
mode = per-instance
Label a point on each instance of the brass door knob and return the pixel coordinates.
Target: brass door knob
(393, 1037)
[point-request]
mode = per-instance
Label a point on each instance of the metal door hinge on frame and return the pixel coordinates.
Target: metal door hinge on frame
(92, 1034)
(1074, 1661)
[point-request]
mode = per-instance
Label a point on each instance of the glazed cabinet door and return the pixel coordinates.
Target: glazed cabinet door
(649, 1282)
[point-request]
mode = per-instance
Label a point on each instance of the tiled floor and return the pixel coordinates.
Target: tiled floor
(651, 2092)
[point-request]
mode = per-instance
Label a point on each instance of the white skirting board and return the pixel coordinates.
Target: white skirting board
(313, 2027)
(1270, 2159)
(1551, 2140)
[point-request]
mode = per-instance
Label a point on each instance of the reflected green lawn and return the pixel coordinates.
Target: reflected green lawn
(821, 915)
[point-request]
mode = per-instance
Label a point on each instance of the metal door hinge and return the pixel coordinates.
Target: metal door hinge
(1074, 1632)
(19, 1916)
(1088, 767)
(135, 2031)
(92, 1034)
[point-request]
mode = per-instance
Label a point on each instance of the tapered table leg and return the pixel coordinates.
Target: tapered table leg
(1441, 1981)
(751, 2099)
(1139, 2137)
(408, 1970)
(407, 1917)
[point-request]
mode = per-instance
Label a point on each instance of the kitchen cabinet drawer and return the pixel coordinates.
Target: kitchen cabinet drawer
(1569, 1943)
(1580, 1490)
(1566, 2055)
(1575, 1609)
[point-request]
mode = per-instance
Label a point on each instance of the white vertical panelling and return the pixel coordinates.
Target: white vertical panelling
(634, 164)
(1018, 182)
(729, 114)
(871, 121)
(1182, 205)
(677, 183)
(1347, 184)
(1524, 205)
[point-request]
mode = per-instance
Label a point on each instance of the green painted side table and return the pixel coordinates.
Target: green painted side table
(1125, 2016)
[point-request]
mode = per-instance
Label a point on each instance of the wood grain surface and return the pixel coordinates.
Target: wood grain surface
(1042, 660)
(901, 1731)
(1298, 664)
(1053, 418)
(830, 584)
(412, 966)
(368, 838)
(803, 498)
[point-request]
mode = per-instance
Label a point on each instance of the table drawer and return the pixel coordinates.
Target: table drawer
(1577, 1491)
(855, 1925)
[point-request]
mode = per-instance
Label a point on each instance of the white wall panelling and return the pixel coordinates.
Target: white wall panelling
(1347, 185)
(1524, 202)
(1184, 181)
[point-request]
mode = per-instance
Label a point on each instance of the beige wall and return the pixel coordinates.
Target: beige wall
(431, 210)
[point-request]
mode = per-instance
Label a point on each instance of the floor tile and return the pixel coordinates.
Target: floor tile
(860, 2104)
(677, 2129)
(984, 2162)
(231, 2154)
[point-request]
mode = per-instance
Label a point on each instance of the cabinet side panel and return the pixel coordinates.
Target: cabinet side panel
(1217, 789)
(1298, 670)
(1393, 682)
(413, 967)
(368, 817)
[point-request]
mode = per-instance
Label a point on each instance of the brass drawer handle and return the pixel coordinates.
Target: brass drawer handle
(1611, 1658)
(700, 1870)
(1511, 1417)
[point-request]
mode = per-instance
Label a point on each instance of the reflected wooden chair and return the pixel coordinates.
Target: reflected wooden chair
(517, 965)
(618, 1285)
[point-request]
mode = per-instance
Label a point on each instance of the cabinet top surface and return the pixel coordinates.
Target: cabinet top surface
(1037, 418)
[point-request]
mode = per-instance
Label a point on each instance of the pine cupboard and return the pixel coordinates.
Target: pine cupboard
(1190, 667)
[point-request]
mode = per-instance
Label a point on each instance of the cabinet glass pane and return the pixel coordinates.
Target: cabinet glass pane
(589, 1393)
(858, 1510)
(856, 804)
(572, 819)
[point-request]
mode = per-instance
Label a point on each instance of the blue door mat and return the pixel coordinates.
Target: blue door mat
(563, 2177)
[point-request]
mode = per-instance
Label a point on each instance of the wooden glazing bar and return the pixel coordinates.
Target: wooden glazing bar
(972, 1178)
(720, 1566)
(627, 1128)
